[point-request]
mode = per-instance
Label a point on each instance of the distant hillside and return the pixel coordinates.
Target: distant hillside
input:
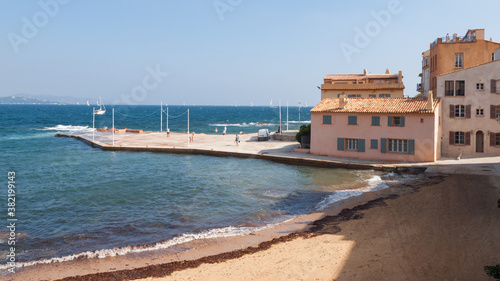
(24, 100)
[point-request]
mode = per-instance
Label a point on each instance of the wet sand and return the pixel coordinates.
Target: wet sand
(444, 228)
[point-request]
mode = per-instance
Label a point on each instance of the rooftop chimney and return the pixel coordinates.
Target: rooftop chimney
(430, 101)
(364, 71)
(387, 71)
(400, 77)
(342, 101)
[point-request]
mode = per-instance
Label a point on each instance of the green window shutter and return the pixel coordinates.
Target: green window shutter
(389, 121)
(375, 120)
(361, 145)
(340, 144)
(327, 119)
(374, 144)
(402, 121)
(352, 120)
(411, 147)
(383, 145)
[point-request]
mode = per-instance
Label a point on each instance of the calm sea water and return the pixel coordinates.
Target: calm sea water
(73, 200)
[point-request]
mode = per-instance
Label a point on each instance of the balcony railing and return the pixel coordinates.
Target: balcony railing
(451, 39)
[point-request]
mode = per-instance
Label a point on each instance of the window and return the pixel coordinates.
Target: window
(459, 111)
(492, 56)
(341, 83)
(353, 96)
(479, 112)
(480, 86)
(351, 144)
(384, 95)
(375, 120)
(327, 119)
(352, 120)
(396, 121)
(374, 144)
(449, 88)
(372, 95)
(494, 111)
(460, 86)
(459, 60)
(497, 139)
(459, 138)
(398, 146)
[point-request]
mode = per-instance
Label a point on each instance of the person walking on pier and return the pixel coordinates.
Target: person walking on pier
(237, 140)
(168, 132)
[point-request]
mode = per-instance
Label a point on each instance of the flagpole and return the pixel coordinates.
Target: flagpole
(161, 117)
(281, 129)
(113, 126)
(93, 123)
(287, 115)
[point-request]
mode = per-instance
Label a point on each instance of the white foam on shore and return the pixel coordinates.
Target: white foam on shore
(68, 128)
(184, 238)
(374, 184)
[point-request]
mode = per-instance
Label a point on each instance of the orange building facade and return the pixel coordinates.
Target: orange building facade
(454, 53)
(363, 85)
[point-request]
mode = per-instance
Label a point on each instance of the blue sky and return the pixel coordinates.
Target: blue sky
(218, 52)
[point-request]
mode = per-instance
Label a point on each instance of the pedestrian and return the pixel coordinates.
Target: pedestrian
(216, 130)
(192, 137)
(224, 132)
(237, 140)
(168, 132)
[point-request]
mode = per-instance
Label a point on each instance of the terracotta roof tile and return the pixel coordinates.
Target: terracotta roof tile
(376, 105)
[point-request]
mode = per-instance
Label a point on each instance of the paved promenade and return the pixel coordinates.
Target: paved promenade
(279, 151)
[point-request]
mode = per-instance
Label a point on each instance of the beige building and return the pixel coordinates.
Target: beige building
(471, 110)
(454, 53)
(363, 85)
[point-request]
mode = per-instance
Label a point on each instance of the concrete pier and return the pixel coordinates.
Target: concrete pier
(272, 150)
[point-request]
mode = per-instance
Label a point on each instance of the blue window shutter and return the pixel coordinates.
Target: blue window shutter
(383, 145)
(411, 147)
(352, 120)
(389, 121)
(340, 144)
(402, 121)
(374, 144)
(361, 145)
(375, 120)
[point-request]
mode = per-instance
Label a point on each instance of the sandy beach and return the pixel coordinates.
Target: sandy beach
(447, 230)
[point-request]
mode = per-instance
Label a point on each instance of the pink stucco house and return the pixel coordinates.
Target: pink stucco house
(387, 129)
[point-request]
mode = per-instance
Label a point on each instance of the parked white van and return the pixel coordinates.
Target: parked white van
(263, 135)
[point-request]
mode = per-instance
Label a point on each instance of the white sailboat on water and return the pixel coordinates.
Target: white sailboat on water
(271, 104)
(102, 108)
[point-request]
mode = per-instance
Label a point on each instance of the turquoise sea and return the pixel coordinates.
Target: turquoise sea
(76, 201)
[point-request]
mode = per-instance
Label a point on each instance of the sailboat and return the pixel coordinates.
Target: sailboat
(88, 104)
(102, 108)
(271, 104)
